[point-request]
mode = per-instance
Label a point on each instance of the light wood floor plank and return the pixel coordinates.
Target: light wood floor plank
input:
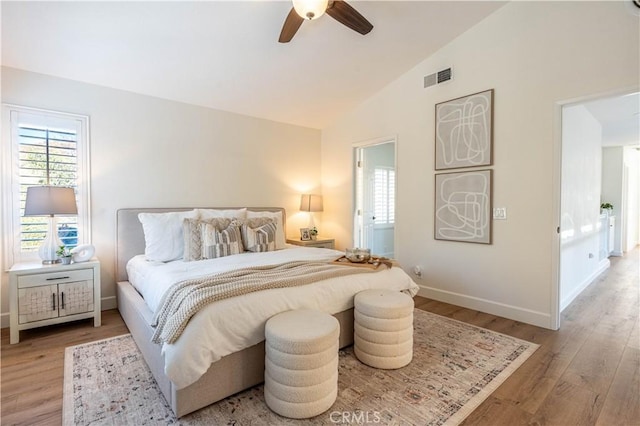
(622, 405)
(568, 404)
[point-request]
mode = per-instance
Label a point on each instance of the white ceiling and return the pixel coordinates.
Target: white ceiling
(619, 117)
(225, 55)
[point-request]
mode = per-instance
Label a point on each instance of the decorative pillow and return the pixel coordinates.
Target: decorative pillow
(240, 214)
(281, 241)
(223, 243)
(262, 238)
(164, 240)
(254, 223)
(192, 230)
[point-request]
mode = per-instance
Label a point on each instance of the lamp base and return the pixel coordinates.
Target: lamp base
(51, 244)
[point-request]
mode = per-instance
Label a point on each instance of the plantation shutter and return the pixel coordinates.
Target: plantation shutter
(47, 156)
(384, 195)
(48, 148)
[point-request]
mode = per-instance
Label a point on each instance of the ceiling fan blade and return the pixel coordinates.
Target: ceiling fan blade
(347, 15)
(290, 27)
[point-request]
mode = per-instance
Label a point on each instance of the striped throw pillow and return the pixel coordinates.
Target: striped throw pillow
(223, 243)
(260, 239)
(192, 230)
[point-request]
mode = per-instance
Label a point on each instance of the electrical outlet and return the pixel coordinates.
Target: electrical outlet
(499, 213)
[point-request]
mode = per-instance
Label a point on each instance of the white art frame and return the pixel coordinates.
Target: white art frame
(463, 206)
(464, 131)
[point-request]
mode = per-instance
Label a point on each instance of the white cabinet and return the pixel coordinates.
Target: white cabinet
(50, 294)
(612, 234)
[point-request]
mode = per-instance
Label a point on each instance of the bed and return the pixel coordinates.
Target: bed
(221, 351)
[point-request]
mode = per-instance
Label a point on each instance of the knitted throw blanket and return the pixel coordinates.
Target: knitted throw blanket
(186, 298)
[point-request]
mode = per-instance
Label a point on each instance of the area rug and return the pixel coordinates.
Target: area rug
(455, 367)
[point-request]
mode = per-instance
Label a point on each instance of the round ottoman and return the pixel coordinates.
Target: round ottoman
(383, 328)
(301, 363)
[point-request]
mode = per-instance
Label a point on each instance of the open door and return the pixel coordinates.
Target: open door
(375, 197)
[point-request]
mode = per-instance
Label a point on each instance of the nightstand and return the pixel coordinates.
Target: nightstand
(42, 295)
(319, 242)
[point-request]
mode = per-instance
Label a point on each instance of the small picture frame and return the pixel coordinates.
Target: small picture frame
(304, 234)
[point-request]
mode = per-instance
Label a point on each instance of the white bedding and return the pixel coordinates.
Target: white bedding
(234, 324)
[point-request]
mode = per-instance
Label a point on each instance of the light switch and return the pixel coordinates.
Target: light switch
(499, 213)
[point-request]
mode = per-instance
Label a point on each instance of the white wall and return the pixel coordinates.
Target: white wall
(621, 187)
(580, 202)
(612, 190)
(535, 55)
(149, 152)
(632, 164)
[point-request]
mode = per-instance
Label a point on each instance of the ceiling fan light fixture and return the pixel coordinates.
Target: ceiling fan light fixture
(310, 9)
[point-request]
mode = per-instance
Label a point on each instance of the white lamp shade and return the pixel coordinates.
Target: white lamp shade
(311, 203)
(50, 201)
(310, 9)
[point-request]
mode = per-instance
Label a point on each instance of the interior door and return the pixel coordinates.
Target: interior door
(375, 188)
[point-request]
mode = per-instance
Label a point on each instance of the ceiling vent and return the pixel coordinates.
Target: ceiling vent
(437, 77)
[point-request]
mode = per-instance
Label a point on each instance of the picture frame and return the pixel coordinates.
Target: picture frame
(464, 131)
(304, 234)
(463, 206)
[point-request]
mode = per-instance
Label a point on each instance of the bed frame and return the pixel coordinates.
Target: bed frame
(227, 376)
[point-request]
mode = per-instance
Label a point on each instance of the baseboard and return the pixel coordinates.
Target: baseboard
(516, 313)
(108, 303)
(602, 266)
(105, 304)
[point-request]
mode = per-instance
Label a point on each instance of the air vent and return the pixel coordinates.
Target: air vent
(430, 80)
(437, 77)
(444, 75)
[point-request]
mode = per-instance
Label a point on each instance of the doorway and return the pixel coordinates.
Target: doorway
(598, 163)
(375, 196)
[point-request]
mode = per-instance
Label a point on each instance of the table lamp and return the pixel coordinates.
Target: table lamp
(311, 203)
(50, 201)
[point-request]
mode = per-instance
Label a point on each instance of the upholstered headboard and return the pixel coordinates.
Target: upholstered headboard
(130, 236)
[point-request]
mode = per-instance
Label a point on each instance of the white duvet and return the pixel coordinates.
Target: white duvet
(234, 324)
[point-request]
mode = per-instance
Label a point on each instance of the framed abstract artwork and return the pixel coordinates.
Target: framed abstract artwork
(463, 206)
(464, 131)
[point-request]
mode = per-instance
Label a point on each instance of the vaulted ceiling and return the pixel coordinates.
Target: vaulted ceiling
(226, 55)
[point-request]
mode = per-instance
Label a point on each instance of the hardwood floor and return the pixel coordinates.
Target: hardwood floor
(31, 371)
(587, 373)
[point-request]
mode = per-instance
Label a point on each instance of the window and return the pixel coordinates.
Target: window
(46, 148)
(384, 181)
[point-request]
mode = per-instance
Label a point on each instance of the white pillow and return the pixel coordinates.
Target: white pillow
(240, 214)
(281, 241)
(163, 235)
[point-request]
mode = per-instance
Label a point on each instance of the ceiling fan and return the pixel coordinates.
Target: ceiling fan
(313, 9)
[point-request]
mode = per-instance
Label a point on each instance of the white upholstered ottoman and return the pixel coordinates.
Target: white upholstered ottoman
(383, 328)
(301, 363)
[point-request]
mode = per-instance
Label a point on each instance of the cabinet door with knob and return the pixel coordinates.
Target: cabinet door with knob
(45, 295)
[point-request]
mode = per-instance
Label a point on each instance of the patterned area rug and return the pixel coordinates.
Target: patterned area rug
(455, 367)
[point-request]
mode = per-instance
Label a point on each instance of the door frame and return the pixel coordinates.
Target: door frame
(556, 208)
(356, 147)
